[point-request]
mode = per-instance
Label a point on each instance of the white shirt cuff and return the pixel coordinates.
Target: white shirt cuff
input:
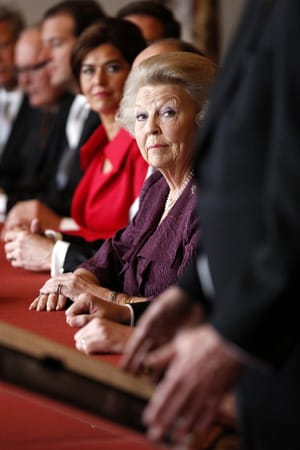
(3, 204)
(131, 314)
(58, 257)
(205, 276)
(68, 224)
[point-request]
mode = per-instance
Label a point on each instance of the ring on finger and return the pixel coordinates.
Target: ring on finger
(59, 288)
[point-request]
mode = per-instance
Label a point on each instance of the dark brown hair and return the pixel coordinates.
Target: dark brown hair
(83, 13)
(13, 18)
(122, 34)
(155, 9)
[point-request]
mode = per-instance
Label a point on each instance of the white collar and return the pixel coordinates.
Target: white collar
(77, 115)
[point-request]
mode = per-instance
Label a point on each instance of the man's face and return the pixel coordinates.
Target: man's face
(7, 46)
(58, 42)
(33, 75)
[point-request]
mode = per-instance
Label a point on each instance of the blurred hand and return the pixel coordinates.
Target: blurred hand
(102, 336)
(169, 313)
(24, 212)
(200, 369)
(89, 306)
(28, 248)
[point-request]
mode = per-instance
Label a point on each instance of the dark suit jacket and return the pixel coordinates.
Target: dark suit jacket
(59, 199)
(40, 153)
(79, 251)
(11, 167)
(248, 162)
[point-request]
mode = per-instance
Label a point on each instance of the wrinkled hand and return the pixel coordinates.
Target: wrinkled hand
(200, 369)
(170, 312)
(102, 336)
(89, 306)
(56, 291)
(28, 248)
(24, 212)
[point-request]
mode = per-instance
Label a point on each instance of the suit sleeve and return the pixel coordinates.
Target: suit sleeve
(78, 252)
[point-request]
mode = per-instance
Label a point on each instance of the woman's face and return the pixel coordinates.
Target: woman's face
(165, 126)
(102, 77)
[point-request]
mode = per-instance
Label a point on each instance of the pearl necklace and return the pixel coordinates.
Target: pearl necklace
(171, 200)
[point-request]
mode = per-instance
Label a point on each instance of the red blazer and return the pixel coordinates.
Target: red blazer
(101, 201)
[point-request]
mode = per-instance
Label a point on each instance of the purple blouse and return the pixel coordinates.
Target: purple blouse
(146, 257)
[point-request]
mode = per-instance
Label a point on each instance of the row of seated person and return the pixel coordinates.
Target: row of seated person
(52, 175)
(115, 165)
(40, 148)
(162, 106)
(113, 193)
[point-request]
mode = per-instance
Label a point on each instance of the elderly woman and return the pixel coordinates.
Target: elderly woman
(114, 170)
(162, 104)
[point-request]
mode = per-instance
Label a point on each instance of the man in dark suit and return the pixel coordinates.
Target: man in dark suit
(61, 26)
(38, 145)
(247, 338)
(20, 128)
(20, 120)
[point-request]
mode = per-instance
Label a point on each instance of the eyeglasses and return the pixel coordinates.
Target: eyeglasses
(28, 70)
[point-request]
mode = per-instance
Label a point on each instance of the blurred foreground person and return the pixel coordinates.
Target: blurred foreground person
(247, 166)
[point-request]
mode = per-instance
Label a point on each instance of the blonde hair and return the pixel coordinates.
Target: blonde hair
(193, 72)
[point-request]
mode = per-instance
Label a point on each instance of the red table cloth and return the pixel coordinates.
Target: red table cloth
(33, 422)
